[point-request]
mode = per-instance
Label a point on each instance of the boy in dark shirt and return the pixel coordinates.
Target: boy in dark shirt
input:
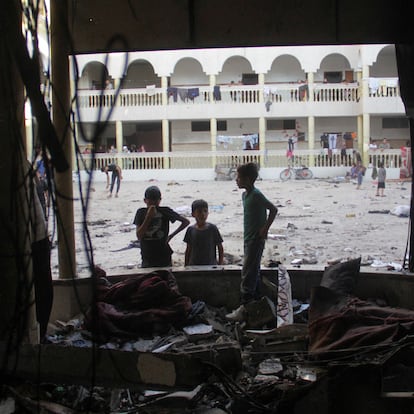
(152, 228)
(203, 239)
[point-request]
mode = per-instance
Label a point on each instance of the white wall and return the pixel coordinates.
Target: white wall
(189, 72)
(285, 69)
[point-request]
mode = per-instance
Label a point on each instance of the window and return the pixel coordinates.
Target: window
(388, 123)
(199, 126)
(279, 124)
(221, 125)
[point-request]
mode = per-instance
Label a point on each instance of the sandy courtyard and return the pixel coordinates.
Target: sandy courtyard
(319, 221)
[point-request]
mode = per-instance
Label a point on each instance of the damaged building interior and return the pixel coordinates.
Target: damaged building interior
(328, 341)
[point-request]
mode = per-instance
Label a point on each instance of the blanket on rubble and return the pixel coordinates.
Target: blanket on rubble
(145, 304)
(343, 322)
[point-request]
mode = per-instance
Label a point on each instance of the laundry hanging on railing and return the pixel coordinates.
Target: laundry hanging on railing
(184, 93)
(151, 90)
(373, 85)
(217, 93)
(245, 141)
(171, 91)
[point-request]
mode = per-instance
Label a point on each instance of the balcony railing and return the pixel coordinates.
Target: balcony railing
(240, 94)
(210, 159)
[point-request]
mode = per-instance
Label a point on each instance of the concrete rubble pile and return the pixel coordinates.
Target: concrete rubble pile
(281, 358)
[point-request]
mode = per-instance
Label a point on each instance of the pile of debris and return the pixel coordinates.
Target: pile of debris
(335, 351)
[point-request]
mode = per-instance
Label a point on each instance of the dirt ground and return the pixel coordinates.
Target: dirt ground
(319, 222)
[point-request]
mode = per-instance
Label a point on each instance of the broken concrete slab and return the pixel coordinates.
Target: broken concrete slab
(287, 338)
(121, 369)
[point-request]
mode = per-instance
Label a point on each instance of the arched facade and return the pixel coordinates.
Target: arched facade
(182, 100)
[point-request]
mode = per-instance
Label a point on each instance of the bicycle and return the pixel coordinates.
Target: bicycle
(299, 173)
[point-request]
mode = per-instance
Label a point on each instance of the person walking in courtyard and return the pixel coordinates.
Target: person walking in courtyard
(116, 177)
(382, 175)
(258, 215)
(153, 227)
(360, 175)
(204, 242)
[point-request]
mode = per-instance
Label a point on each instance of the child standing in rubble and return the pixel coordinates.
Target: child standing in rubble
(258, 215)
(152, 228)
(204, 242)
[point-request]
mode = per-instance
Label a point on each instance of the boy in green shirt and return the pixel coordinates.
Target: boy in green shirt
(259, 214)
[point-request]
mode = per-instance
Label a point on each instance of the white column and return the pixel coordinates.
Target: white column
(119, 139)
(364, 142)
(365, 81)
(213, 140)
(213, 134)
(261, 79)
(117, 83)
(360, 82)
(360, 132)
(310, 78)
(212, 85)
(164, 86)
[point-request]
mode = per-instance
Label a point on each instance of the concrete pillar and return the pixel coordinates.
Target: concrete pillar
(359, 81)
(166, 141)
(213, 140)
(119, 136)
(364, 142)
(213, 134)
(119, 141)
(311, 139)
(61, 109)
(360, 132)
(117, 83)
(365, 78)
(164, 86)
(261, 78)
(310, 77)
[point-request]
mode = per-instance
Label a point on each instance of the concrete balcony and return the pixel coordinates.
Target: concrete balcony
(275, 100)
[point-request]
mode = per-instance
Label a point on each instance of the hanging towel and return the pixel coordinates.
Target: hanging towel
(193, 93)
(172, 92)
(217, 93)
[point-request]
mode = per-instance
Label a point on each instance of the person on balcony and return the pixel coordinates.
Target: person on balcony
(385, 144)
(116, 177)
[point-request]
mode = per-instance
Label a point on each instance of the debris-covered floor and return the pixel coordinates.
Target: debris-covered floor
(333, 354)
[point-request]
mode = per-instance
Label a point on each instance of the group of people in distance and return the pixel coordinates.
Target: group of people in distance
(203, 239)
(380, 174)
